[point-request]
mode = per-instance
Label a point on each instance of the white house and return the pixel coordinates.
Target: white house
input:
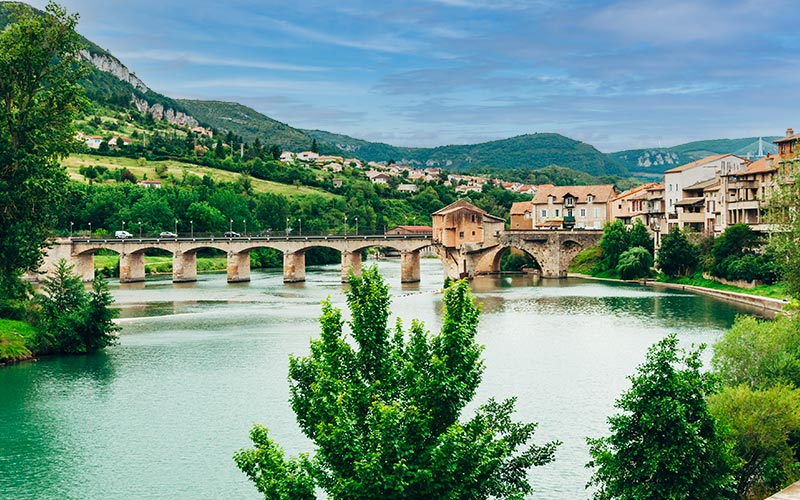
(679, 178)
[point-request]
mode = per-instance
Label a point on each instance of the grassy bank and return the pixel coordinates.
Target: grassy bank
(16, 339)
(109, 264)
(776, 291)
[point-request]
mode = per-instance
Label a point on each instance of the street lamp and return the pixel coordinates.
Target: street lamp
(176, 228)
(70, 228)
(356, 226)
(90, 230)
(123, 225)
(287, 226)
(191, 226)
(300, 222)
(230, 226)
(244, 221)
(345, 225)
(140, 229)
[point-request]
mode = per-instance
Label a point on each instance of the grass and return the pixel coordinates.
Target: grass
(585, 261)
(161, 264)
(15, 337)
(776, 291)
(178, 170)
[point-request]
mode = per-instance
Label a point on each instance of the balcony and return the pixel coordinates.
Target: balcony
(743, 205)
(692, 217)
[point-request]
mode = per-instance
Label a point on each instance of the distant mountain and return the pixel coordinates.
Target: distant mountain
(656, 160)
(525, 151)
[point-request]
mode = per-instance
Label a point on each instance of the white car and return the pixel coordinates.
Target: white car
(122, 235)
(167, 234)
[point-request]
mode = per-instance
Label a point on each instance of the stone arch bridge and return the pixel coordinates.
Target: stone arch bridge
(552, 250)
(80, 252)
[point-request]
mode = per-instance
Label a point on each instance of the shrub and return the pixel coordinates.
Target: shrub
(635, 263)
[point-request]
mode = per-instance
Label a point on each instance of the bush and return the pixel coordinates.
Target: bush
(677, 257)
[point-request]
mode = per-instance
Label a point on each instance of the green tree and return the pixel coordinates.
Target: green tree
(72, 319)
(665, 444)
(784, 241)
(613, 242)
(40, 96)
(384, 414)
(760, 423)
(635, 263)
(639, 236)
(677, 256)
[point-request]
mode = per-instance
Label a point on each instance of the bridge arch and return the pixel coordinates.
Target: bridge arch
(491, 263)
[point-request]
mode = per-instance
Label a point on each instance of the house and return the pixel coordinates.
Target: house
(93, 141)
(337, 182)
(114, 141)
(788, 145)
(417, 230)
(203, 131)
(287, 157)
(582, 207)
(522, 215)
(676, 179)
(307, 156)
(692, 206)
(466, 188)
(631, 205)
(320, 160)
(377, 177)
(743, 193)
(407, 188)
(461, 223)
(333, 167)
(149, 184)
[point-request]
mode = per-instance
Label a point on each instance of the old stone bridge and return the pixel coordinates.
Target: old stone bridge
(467, 240)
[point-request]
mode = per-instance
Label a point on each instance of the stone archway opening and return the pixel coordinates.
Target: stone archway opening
(516, 260)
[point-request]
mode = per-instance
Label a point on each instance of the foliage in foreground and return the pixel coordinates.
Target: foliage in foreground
(40, 69)
(665, 444)
(384, 415)
(73, 320)
(677, 256)
(635, 263)
(784, 242)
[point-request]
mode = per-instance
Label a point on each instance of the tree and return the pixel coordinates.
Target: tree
(314, 146)
(613, 242)
(40, 96)
(760, 424)
(635, 263)
(72, 319)
(384, 414)
(677, 256)
(784, 241)
(665, 444)
(639, 236)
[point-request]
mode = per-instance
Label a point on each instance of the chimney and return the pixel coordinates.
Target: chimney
(769, 162)
(789, 132)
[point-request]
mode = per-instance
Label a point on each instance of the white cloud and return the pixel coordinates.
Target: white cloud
(188, 57)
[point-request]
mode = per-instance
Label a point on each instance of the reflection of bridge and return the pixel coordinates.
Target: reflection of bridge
(467, 240)
(80, 253)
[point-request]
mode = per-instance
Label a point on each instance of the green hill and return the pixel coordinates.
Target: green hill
(656, 160)
(525, 151)
(249, 124)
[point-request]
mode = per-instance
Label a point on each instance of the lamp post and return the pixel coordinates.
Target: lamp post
(244, 221)
(300, 222)
(176, 228)
(345, 225)
(70, 228)
(230, 226)
(123, 225)
(191, 228)
(287, 226)
(140, 229)
(356, 226)
(90, 230)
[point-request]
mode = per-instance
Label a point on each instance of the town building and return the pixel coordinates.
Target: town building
(462, 223)
(581, 207)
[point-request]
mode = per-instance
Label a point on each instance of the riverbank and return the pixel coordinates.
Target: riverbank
(769, 306)
(15, 339)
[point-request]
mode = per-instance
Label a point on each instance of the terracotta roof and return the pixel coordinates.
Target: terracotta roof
(701, 161)
(760, 166)
(521, 207)
(639, 191)
(463, 204)
(788, 138)
(687, 202)
(702, 185)
(601, 192)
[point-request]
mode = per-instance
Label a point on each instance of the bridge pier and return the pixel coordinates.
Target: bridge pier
(131, 267)
(351, 262)
(409, 266)
(238, 267)
(294, 267)
(184, 267)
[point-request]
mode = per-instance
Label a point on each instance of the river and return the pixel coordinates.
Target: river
(160, 414)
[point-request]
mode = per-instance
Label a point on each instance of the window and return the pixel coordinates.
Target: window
(569, 201)
(544, 213)
(597, 212)
(589, 198)
(582, 212)
(473, 233)
(473, 217)
(461, 234)
(557, 212)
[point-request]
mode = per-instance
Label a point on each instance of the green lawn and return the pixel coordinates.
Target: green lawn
(74, 162)
(776, 291)
(15, 337)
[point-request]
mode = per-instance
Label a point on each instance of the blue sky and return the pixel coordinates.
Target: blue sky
(617, 74)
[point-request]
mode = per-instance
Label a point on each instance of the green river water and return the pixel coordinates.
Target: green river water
(159, 415)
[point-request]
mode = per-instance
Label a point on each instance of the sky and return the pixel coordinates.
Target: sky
(618, 74)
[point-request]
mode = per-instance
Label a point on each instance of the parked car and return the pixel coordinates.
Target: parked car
(231, 234)
(122, 235)
(167, 234)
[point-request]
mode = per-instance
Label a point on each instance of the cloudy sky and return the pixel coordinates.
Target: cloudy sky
(618, 74)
